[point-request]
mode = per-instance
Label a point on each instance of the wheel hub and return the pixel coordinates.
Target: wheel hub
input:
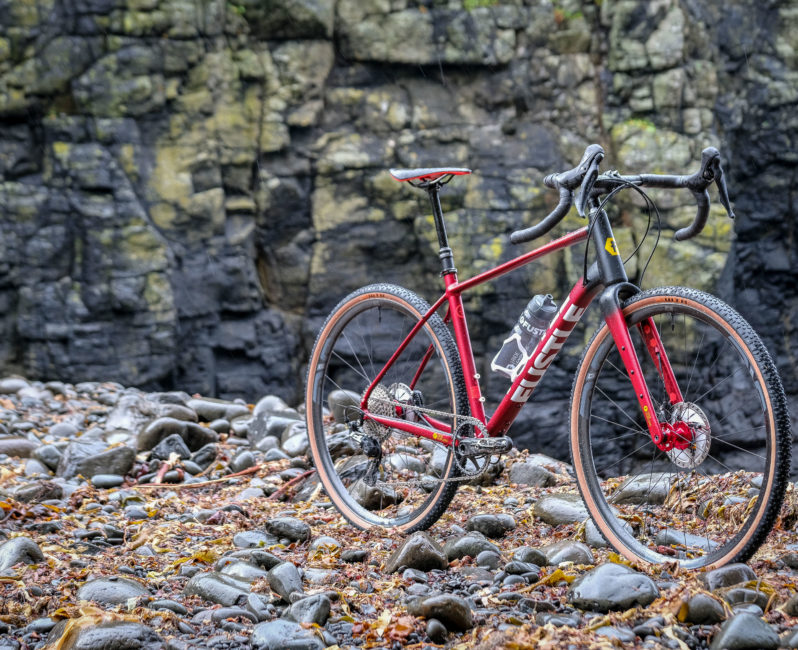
(687, 435)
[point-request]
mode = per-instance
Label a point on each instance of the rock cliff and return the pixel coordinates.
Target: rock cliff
(188, 187)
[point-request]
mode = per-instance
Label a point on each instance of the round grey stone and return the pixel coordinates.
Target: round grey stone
(568, 551)
(311, 609)
(453, 611)
(726, 576)
(745, 631)
(419, 551)
(530, 554)
(114, 590)
(562, 508)
(107, 480)
(471, 544)
(489, 560)
(19, 549)
(284, 580)
(243, 460)
(703, 609)
(17, 446)
(111, 634)
(218, 588)
(490, 525)
(284, 635)
(436, 631)
(290, 528)
(612, 587)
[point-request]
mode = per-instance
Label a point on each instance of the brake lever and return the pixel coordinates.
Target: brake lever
(588, 181)
(723, 193)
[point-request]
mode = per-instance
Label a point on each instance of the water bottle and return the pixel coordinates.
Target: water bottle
(525, 335)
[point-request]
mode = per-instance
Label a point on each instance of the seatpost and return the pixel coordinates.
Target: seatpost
(447, 259)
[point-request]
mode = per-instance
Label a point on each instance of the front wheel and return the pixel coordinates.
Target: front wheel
(705, 504)
(378, 476)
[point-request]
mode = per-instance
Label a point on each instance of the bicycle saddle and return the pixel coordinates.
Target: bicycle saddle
(427, 175)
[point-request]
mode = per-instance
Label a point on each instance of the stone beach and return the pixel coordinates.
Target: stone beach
(195, 537)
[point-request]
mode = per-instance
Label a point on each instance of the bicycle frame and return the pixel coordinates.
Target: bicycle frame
(606, 279)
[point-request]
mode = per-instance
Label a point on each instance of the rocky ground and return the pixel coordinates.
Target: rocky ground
(161, 520)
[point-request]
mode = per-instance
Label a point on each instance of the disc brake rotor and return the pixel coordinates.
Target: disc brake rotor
(696, 452)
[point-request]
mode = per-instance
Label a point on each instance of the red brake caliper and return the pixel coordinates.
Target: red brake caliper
(676, 436)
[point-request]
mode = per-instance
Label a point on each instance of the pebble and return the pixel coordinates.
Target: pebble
(284, 580)
(35, 467)
(490, 525)
(419, 551)
(170, 605)
(39, 491)
(561, 508)
(436, 631)
(110, 634)
(727, 576)
(209, 409)
(311, 609)
(241, 570)
(703, 609)
(612, 587)
(194, 435)
(744, 631)
(644, 489)
(531, 555)
(217, 588)
(622, 634)
(282, 634)
(243, 460)
(489, 560)
(339, 402)
(107, 480)
(531, 474)
(253, 539)
(50, 455)
(471, 544)
(113, 590)
(16, 446)
(172, 444)
(791, 606)
(354, 555)
(289, 528)
(451, 610)
(567, 551)
(296, 445)
(90, 457)
(19, 549)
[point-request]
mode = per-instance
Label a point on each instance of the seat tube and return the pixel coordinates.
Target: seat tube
(464, 349)
(613, 315)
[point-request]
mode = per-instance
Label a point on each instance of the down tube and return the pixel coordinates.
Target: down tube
(558, 332)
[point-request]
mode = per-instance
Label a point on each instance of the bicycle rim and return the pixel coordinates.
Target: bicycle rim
(714, 501)
(401, 487)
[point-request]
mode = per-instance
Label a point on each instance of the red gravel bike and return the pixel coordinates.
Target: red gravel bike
(679, 431)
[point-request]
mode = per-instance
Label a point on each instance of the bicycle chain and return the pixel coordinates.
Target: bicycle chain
(382, 432)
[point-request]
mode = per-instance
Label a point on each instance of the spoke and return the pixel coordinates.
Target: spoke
(720, 383)
(354, 354)
(695, 361)
(743, 449)
(355, 370)
(622, 410)
(623, 426)
(716, 436)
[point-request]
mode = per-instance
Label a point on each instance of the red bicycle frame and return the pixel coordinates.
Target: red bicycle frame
(605, 278)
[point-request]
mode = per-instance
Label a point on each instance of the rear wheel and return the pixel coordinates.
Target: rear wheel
(715, 500)
(378, 476)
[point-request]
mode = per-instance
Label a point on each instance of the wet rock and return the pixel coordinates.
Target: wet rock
(209, 409)
(791, 606)
(50, 455)
(493, 526)
(243, 460)
(168, 605)
(736, 596)
(172, 444)
(34, 467)
(312, 609)
(681, 539)
(471, 544)
(244, 571)
(105, 481)
(87, 458)
(194, 435)
(374, 497)
(259, 557)
(436, 631)
(354, 555)
(284, 635)
(296, 445)
(612, 587)
(344, 405)
(19, 549)
(253, 539)
(325, 544)
(289, 528)
(789, 639)
(745, 631)
(567, 551)
(703, 609)
(38, 491)
(16, 446)
(489, 560)
(531, 555)
(218, 588)
(114, 590)
(516, 568)
(532, 474)
(727, 576)
(284, 580)
(646, 488)
(270, 404)
(12, 385)
(563, 508)
(120, 635)
(453, 611)
(419, 551)
(205, 455)
(266, 425)
(622, 634)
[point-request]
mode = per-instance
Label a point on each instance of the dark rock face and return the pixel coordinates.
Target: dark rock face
(184, 207)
